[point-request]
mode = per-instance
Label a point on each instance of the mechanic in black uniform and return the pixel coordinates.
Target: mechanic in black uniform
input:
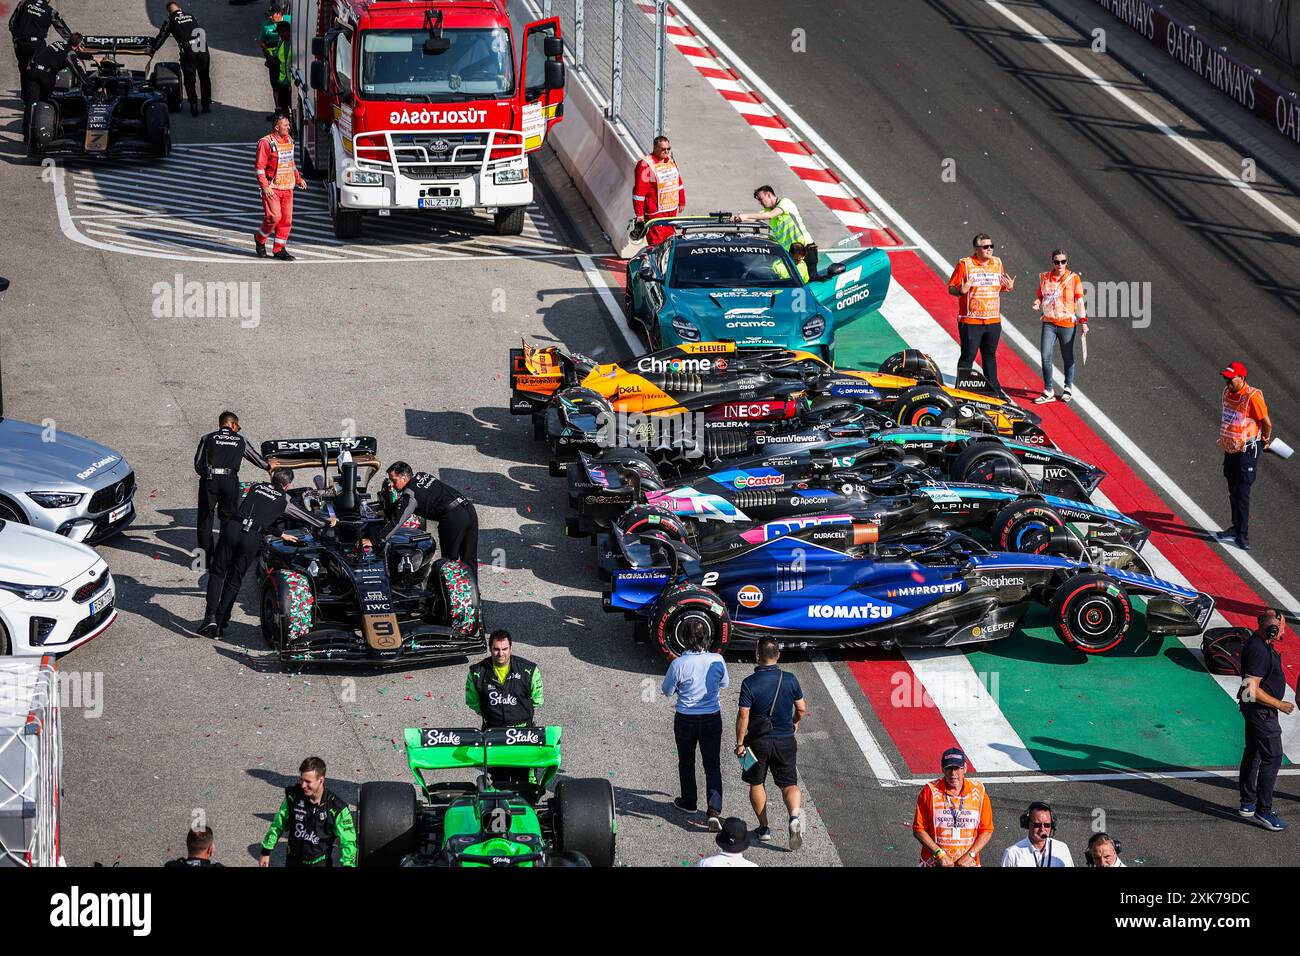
(216, 462)
(420, 493)
(1263, 687)
(313, 820)
(198, 850)
(29, 25)
(241, 543)
(193, 42)
(43, 70)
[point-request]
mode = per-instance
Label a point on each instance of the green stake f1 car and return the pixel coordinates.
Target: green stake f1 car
(502, 819)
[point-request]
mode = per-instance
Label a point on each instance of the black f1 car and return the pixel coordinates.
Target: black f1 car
(329, 598)
(107, 110)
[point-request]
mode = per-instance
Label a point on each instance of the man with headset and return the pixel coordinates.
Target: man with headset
(1040, 847)
(1263, 685)
(1103, 851)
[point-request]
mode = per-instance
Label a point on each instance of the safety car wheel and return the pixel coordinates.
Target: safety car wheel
(6, 645)
(386, 829)
(685, 610)
(509, 221)
(1091, 612)
(922, 405)
(1027, 527)
(584, 819)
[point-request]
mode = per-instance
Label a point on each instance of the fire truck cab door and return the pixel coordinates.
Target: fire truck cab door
(541, 101)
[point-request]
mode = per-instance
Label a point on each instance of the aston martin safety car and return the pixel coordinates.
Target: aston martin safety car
(715, 279)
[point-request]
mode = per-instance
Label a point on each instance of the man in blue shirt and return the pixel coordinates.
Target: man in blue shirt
(696, 677)
(774, 697)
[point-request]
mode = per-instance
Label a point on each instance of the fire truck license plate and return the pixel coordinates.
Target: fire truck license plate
(440, 202)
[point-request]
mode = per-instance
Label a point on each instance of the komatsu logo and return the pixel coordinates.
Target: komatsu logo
(872, 612)
(949, 588)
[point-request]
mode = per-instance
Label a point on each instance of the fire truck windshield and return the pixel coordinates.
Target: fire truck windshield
(394, 66)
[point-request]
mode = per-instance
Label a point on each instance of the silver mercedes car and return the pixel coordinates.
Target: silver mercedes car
(60, 482)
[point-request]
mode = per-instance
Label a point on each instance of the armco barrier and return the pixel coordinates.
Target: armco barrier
(1230, 76)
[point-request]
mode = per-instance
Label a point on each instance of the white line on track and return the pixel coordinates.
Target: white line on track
(1225, 774)
(879, 205)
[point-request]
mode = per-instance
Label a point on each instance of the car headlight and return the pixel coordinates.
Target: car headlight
(34, 592)
(814, 327)
(686, 329)
(363, 177)
(54, 499)
(503, 176)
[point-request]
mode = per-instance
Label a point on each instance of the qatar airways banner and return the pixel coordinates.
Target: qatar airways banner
(1220, 69)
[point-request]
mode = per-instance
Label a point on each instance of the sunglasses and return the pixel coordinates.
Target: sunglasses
(1060, 262)
(1041, 826)
(986, 245)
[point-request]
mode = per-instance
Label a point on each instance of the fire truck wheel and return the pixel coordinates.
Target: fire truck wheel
(510, 221)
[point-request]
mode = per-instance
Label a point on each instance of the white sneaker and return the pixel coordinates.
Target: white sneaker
(1067, 396)
(796, 832)
(1044, 398)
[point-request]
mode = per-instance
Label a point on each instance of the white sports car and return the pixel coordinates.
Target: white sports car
(55, 594)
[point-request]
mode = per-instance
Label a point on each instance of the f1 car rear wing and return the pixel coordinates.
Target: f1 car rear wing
(449, 748)
(538, 373)
(136, 44)
(304, 452)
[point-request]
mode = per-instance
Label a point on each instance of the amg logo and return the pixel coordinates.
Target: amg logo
(1003, 582)
(854, 612)
(950, 588)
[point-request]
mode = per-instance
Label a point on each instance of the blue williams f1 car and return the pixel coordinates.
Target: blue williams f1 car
(822, 585)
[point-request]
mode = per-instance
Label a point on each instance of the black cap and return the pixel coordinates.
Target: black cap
(734, 836)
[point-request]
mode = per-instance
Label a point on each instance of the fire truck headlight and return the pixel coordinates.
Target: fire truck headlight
(364, 177)
(503, 176)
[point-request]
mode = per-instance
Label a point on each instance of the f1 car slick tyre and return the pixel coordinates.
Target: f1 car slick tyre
(912, 363)
(584, 819)
(459, 596)
(1027, 526)
(1091, 612)
(681, 612)
(167, 81)
(509, 221)
(158, 128)
(922, 405)
(43, 124)
(386, 825)
(988, 463)
(288, 608)
(655, 522)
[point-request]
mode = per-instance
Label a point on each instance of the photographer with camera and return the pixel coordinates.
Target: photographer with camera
(1262, 687)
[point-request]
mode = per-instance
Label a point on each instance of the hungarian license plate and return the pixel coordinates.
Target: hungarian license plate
(440, 202)
(101, 602)
(117, 514)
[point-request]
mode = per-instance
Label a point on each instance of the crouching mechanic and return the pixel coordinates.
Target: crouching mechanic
(242, 542)
(421, 494)
(314, 820)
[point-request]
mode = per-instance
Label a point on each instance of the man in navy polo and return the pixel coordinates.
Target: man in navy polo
(772, 697)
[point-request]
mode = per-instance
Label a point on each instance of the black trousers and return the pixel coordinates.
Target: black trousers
(236, 553)
(24, 50)
(197, 64)
(1262, 757)
(218, 497)
(282, 97)
(984, 340)
(458, 536)
(1240, 468)
(704, 731)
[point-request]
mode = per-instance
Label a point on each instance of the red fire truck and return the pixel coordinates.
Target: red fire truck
(422, 104)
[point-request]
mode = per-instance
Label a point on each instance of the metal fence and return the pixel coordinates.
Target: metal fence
(619, 46)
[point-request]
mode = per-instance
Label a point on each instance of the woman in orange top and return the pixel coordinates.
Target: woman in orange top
(1060, 296)
(954, 817)
(980, 280)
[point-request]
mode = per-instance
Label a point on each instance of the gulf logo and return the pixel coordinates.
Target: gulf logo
(749, 596)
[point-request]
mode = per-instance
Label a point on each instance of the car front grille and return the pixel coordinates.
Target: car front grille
(434, 172)
(89, 624)
(114, 495)
(89, 590)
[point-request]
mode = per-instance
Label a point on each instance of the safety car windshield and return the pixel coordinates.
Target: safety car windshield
(730, 265)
